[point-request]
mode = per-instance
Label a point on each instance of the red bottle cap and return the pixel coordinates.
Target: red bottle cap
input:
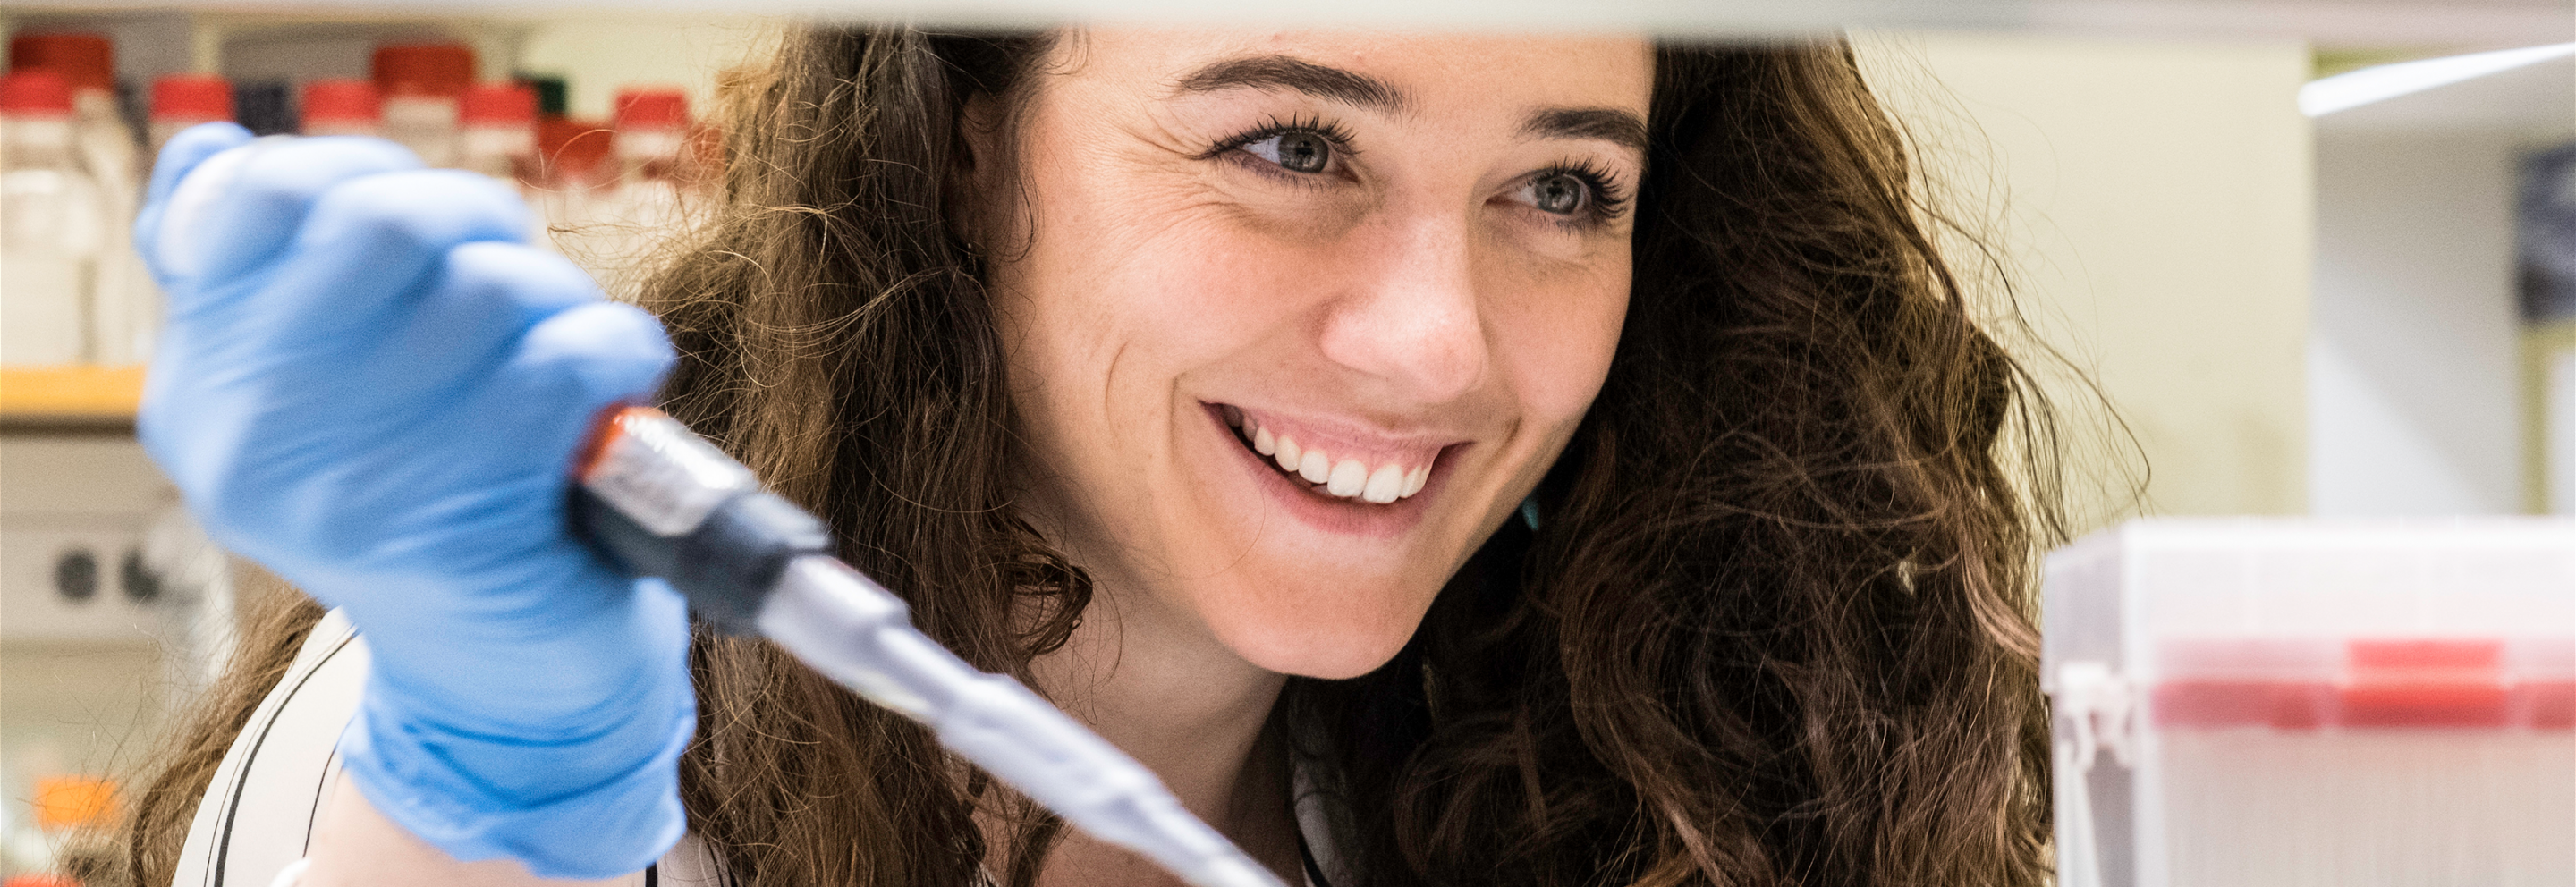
(342, 101)
(40, 880)
(574, 149)
(35, 92)
(431, 69)
(506, 104)
(192, 97)
(88, 61)
(647, 107)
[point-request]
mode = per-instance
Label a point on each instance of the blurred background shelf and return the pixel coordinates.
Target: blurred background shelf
(70, 394)
(2317, 315)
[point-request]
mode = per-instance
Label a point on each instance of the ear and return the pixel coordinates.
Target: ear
(978, 178)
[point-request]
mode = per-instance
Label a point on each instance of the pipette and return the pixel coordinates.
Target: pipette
(664, 502)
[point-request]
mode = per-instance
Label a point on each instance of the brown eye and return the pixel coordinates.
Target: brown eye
(1294, 151)
(1562, 194)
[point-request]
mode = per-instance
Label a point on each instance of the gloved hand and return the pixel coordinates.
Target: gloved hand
(371, 387)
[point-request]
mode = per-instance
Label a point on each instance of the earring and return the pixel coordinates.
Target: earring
(1529, 513)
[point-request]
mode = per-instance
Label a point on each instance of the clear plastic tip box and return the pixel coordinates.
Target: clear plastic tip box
(2291, 702)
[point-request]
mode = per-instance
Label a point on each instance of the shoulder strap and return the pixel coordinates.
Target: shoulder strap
(258, 814)
(259, 811)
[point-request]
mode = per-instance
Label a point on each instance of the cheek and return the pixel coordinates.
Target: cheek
(1139, 273)
(1128, 289)
(1556, 335)
(1100, 300)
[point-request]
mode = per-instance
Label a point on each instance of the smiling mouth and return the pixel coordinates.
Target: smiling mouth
(1324, 473)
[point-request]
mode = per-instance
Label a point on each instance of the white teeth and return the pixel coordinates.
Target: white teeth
(1386, 485)
(1347, 479)
(1316, 468)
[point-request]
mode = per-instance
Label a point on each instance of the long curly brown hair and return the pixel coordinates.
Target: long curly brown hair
(1772, 624)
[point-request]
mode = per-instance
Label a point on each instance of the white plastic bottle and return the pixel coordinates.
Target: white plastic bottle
(180, 101)
(499, 138)
(124, 312)
(87, 63)
(652, 145)
(421, 84)
(645, 208)
(575, 178)
(341, 108)
(51, 226)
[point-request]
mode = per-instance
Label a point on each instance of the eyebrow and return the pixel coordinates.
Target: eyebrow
(1611, 125)
(1285, 72)
(1619, 127)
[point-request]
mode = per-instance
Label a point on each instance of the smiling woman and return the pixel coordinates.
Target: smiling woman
(1407, 280)
(1443, 459)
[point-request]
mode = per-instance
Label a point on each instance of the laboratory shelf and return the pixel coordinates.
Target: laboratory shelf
(80, 393)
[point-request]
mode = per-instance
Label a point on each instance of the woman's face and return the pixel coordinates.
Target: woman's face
(1296, 319)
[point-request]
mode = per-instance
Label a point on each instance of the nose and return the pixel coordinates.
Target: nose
(1410, 318)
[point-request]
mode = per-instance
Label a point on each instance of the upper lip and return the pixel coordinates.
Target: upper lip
(1343, 437)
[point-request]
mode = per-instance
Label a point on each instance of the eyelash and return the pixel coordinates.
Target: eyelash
(1609, 199)
(1334, 134)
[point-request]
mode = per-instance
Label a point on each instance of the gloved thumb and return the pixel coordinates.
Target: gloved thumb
(187, 151)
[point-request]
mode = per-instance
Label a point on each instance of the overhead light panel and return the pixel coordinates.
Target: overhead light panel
(2353, 89)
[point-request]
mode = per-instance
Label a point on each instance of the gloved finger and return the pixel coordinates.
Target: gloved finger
(186, 152)
(370, 248)
(240, 208)
(487, 295)
(187, 149)
(568, 369)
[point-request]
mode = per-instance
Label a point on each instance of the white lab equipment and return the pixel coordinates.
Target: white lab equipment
(422, 84)
(124, 308)
(51, 225)
(499, 138)
(622, 227)
(652, 138)
(2253, 702)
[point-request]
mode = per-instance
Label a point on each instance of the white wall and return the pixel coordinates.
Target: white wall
(602, 54)
(2151, 202)
(2416, 406)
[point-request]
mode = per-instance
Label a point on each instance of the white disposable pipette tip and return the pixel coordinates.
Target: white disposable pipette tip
(1235, 871)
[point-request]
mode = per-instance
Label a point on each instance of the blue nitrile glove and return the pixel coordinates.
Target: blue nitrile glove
(372, 387)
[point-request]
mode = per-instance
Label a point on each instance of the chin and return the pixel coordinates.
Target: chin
(1330, 642)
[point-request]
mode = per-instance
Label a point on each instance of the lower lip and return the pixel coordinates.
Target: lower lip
(1329, 513)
